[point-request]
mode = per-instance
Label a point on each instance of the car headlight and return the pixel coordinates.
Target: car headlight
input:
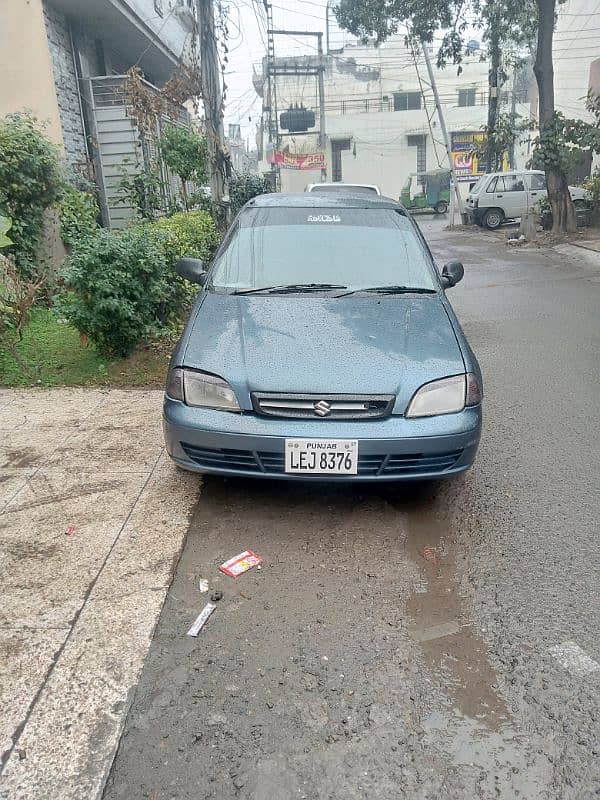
(201, 389)
(445, 396)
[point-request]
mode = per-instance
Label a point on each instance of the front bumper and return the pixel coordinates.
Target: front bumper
(395, 448)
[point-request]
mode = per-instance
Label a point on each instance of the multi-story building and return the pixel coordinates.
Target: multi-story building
(65, 61)
(243, 161)
(576, 56)
(380, 121)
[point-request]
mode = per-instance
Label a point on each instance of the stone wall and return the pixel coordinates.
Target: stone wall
(65, 80)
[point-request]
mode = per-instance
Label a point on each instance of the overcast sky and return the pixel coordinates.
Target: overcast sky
(248, 45)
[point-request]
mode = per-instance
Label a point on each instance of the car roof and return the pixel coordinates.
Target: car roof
(515, 172)
(326, 200)
(343, 185)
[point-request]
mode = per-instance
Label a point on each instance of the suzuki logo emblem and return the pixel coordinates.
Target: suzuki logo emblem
(322, 408)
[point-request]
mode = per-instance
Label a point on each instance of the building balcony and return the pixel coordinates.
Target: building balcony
(150, 33)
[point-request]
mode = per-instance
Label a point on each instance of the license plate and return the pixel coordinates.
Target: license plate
(321, 456)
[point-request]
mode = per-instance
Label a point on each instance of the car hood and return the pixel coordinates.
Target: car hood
(324, 345)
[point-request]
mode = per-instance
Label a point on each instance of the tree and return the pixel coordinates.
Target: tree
(549, 146)
(30, 182)
(503, 21)
(558, 149)
(185, 152)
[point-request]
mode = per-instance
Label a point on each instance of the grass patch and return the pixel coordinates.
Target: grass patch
(55, 356)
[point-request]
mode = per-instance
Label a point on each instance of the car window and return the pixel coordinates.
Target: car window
(479, 185)
(514, 183)
(537, 182)
(352, 247)
(320, 188)
(492, 185)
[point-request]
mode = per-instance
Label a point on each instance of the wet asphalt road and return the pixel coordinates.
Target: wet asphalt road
(398, 642)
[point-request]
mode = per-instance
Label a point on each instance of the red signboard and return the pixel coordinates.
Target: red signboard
(299, 160)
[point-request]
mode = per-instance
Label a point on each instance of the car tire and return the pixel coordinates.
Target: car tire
(493, 218)
(441, 207)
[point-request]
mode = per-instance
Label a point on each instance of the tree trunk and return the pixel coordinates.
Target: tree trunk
(184, 194)
(492, 156)
(563, 211)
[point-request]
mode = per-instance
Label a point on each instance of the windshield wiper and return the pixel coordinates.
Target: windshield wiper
(291, 287)
(390, 290)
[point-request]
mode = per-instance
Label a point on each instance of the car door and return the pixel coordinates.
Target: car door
(497, 195)
(536, 187)
(515, 196)
(491, 193)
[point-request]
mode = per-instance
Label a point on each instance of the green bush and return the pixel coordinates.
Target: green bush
(78, 213)
(191, 233)
(122, 289)
(244, 187)
(592, 184)
(122, 286)
(30, 182)
(141, 190)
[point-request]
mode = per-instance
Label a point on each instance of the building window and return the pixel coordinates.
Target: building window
(420, 142)
(467, 97)
(407, 101)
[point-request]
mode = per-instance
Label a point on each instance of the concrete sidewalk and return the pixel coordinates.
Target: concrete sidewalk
(93, 516)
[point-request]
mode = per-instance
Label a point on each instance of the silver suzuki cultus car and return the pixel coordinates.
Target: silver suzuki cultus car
(322, 346)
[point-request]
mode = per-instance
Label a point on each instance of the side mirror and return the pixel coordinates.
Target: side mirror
(452, 273)
(192, 269)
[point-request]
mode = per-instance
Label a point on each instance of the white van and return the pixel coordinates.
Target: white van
(500, 196)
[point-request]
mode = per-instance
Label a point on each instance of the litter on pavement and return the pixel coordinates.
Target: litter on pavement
(240, 563)
(201, 619)
(574, 659)
(70, 530)
(203, 586)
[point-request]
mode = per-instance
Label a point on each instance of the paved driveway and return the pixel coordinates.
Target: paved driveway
(405, 643)
(92, 519)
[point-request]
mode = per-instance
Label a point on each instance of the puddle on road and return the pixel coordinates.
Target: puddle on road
(449, 642)
(475, 728)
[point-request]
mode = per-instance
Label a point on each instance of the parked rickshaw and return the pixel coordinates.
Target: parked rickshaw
(427, 190)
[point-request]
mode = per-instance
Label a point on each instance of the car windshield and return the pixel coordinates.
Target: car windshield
(322, 249)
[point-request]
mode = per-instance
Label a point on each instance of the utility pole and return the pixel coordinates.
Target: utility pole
(513, 118)
(440, 113)
(321, 82)
(273, 121)
(213, 104)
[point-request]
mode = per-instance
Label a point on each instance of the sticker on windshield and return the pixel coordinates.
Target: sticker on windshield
(324, 218)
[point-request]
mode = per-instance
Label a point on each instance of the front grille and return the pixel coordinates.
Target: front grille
(323, 406)
(401, 464)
